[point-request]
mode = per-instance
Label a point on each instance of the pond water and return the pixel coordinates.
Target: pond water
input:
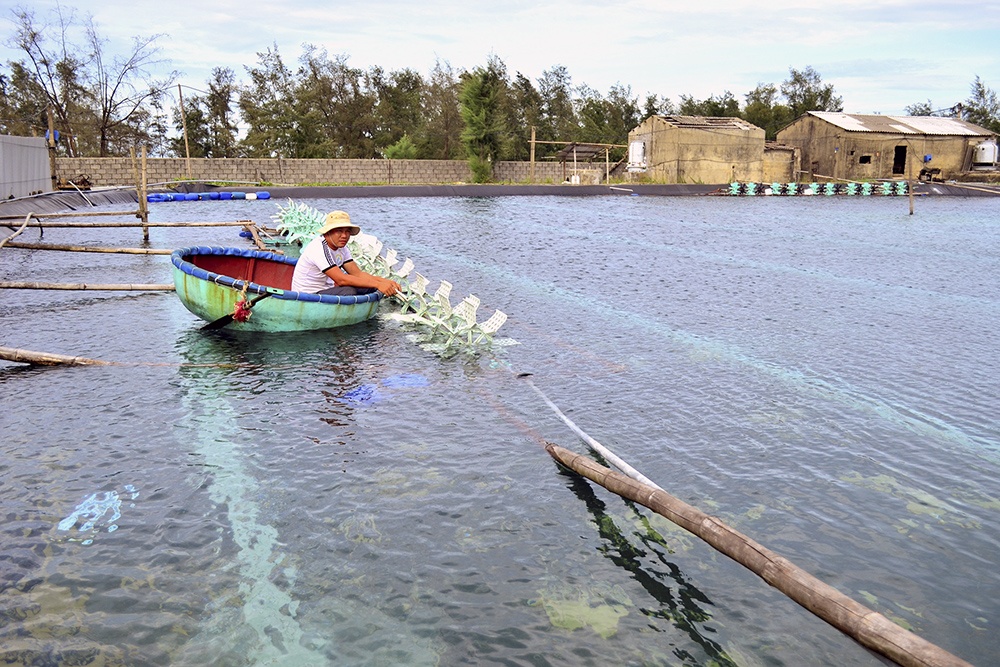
(821, 374)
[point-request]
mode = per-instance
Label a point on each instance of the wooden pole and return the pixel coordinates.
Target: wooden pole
(143, 204)
(47, 358)
(909, 185)
(138, 192)
(531, 168)
(252, 228)
(52, 150)
(115, 287)
(868, 627)
(83, 248)
(184, 124)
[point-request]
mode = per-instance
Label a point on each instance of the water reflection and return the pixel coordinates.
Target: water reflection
(677, 600)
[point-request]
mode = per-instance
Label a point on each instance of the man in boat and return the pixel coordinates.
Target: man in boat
(325, 265)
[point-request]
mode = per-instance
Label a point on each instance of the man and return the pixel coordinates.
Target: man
(327, 267)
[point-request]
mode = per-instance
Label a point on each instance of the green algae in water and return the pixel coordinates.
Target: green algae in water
(597, 607)
(917, 502)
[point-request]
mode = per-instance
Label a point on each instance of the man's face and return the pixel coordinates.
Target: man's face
(338, 238)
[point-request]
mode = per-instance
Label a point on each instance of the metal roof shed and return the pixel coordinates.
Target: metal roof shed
(858, 147)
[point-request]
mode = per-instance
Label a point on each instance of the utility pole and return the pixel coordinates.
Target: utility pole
(184, 124)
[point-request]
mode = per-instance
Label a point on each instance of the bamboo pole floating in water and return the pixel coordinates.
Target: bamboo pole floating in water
(868, 627)
(83, 248)
(47, 358)
(124, 287)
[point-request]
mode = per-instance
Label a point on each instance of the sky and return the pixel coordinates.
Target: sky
(880, 55)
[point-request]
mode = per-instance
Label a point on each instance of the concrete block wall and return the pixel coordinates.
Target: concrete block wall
(116, 171)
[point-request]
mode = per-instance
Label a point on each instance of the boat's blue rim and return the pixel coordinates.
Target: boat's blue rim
(177, 259)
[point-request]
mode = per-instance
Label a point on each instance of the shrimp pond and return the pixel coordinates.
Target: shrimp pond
(822, 374)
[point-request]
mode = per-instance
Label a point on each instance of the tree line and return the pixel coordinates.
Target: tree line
(104, 103)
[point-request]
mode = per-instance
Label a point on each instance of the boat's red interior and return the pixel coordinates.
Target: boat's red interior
(261, 271)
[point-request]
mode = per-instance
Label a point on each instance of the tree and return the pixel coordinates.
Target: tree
(404, 149)
(920, 109)
(983, 107)
(193, 135)
(440, 138)
(558, 120)
(335, 107)
(398, 111)
(24, 106)
(763, 110)
(123, 88)
(805, 91)
(267, 105)
(526, 112)
(50, 77)
(608, 120)
(722, 106)
(480, 101)
(102, 104)
(219, 102)
(655, 106)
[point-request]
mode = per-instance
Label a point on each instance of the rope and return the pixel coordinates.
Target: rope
(81, 194)
(594, 444)
(20, 229)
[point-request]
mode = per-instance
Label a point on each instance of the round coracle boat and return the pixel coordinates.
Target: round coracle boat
(252, 288)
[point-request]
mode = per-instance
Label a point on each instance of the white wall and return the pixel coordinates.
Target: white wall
(24, 166)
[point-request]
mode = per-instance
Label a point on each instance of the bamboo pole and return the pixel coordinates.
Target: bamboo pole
(47, 358)
(140, 194)
(143, 202)
(252, 228)
(123, 287)
(81, 214)
(868, 627)
(83, 248)
(93, 225)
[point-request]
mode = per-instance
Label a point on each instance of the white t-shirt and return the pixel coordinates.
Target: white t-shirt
(316, 258)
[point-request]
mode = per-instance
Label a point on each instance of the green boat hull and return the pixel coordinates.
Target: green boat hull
(209, 282)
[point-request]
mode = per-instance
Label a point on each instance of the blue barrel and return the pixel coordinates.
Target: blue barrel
(239, 195)
(191, 196)
(214, 196)
(263, 195)
(156, 197)
(225, 195)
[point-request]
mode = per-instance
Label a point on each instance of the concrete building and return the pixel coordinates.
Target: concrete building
(697, 149)
(860, 147)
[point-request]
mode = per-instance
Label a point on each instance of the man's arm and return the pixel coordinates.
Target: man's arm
(353, 276)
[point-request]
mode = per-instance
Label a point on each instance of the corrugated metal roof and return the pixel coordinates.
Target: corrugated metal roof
(926, 125)
(709, 122)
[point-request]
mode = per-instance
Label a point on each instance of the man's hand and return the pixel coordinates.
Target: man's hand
(388, 287)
